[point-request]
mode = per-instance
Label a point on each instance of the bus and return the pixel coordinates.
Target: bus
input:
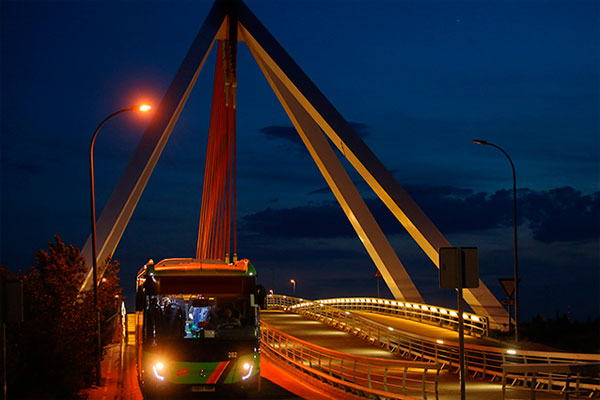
(197, 327)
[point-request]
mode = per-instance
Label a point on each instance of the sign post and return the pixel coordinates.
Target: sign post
(459, 268)
(508, 284)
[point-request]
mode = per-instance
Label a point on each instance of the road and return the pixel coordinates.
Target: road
(120, 383)
(322, 335)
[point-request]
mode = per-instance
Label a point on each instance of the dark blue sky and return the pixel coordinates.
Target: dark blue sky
(418, 79)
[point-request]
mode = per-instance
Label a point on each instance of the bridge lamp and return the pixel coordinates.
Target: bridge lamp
(142, 108)
(516, 277)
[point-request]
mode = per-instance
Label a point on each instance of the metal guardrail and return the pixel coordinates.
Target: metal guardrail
(475, 325)
(360, 376)
(485, 361)
(580, 379)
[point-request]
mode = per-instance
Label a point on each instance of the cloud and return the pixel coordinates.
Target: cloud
(557, 215)
(562, 214)
(289, 133)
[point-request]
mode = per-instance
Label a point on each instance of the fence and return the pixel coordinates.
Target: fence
(360, 376)
(580, 379)
(476, 325)
(485, 361)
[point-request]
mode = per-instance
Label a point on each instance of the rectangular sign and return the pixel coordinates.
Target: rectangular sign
(459, 264)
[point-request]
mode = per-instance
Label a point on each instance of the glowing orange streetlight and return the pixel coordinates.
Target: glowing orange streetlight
(143, 108)
(293, 282)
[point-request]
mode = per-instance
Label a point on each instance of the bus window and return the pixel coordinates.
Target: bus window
(197, 317)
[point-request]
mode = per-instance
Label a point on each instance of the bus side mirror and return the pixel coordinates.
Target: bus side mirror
(139, 300)
(151, 287)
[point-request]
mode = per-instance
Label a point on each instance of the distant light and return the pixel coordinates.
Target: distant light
(390, 328)
(439, 341)
(511, 351)
(475, 318)
(145, 107)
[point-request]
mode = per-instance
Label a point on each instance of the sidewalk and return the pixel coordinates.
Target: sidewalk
(111, 382)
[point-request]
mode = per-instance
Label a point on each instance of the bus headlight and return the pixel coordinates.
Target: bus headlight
(247, 367)
(157, 369)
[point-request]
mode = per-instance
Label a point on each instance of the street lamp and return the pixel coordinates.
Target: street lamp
(143, 108)
(516, 282)
(293, 282)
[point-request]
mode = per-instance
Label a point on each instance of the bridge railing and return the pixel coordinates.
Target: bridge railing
(481, 360)
(476, 325)
(361, 376)
(579, 379)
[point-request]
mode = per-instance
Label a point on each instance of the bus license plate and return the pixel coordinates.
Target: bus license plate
(197, 389)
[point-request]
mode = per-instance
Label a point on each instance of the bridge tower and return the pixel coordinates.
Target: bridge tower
(316, 120)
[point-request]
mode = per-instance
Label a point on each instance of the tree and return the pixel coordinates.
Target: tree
(54, 347)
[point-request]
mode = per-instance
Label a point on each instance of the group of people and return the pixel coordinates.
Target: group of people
(207, 318)
(170, 319)
(166, 319)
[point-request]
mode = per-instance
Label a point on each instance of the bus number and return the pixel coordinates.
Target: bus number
(232, 354)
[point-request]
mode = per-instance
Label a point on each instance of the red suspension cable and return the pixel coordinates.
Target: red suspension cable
(219, 195)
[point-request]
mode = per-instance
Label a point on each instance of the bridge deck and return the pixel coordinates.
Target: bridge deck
(322, 335)
(446, 335)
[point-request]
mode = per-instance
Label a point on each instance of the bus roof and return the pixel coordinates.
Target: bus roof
(194, 266)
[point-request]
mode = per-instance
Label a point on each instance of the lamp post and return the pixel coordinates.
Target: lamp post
(144, 108)
(516, 277)
(293, 282)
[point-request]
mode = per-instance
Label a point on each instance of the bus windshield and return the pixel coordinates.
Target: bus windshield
(194, 316)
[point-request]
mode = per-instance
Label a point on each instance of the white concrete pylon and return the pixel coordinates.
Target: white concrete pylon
(120, 206)
(345, 192)
(414, 220)
(303, 101)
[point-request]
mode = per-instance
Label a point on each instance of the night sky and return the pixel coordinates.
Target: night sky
(417, 79)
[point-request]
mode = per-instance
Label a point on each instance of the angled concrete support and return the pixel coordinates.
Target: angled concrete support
(343, 188)
(310, 98)
(121, 204)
